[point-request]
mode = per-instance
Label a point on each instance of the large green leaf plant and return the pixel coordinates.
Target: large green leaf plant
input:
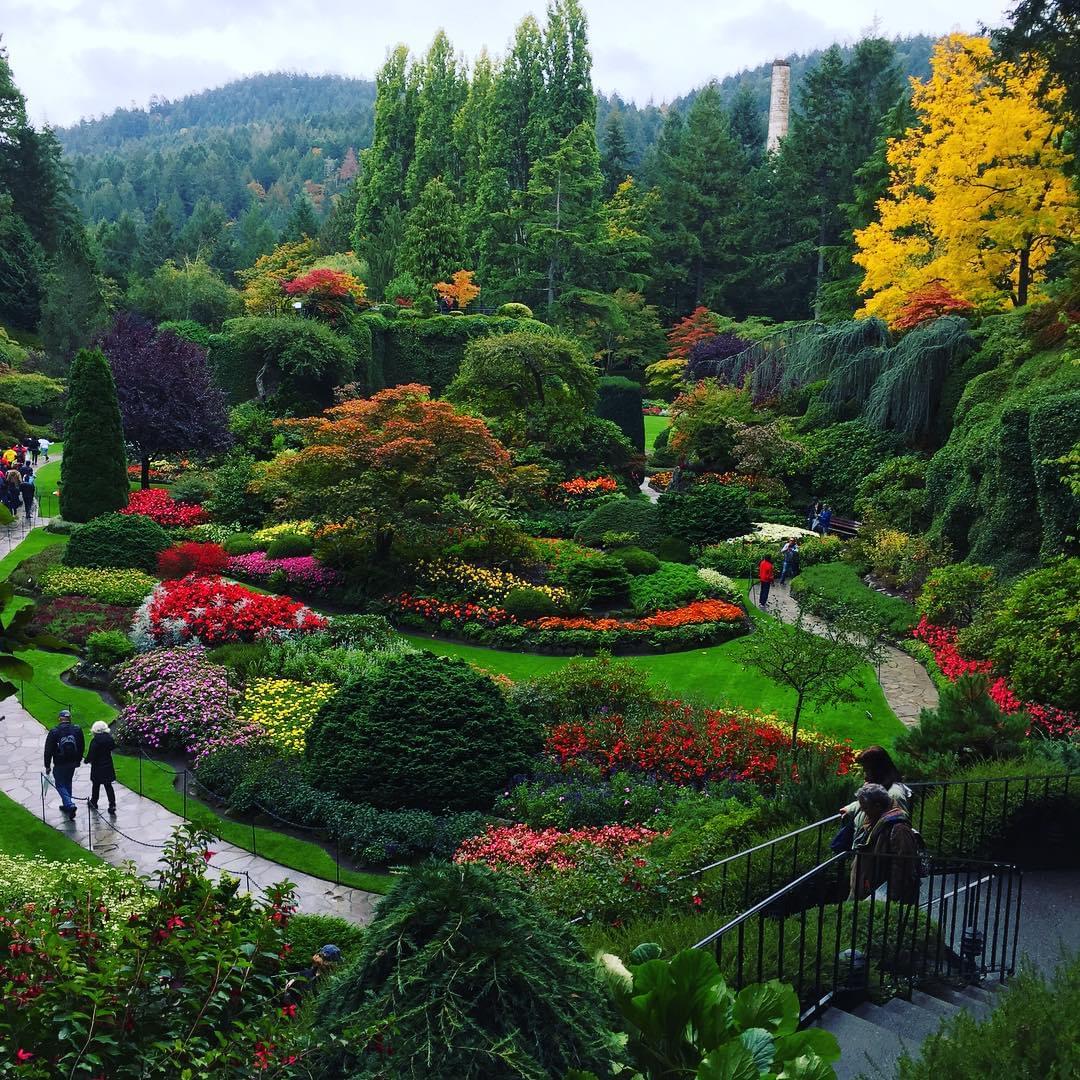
(685, 1023)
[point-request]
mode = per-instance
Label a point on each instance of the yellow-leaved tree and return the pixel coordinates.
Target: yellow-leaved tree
(978, 195)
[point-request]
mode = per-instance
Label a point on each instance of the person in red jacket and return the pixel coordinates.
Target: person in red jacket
(765, 579)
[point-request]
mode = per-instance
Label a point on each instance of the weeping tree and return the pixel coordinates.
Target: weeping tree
(906, 395)
(848, 357)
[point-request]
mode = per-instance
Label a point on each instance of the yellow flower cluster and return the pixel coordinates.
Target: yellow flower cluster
(284, 708)
(272, 532)
(479, 584)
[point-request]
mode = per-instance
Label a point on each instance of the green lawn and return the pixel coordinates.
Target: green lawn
(653, 426)
(712, 676)
(21, 833)
(36, 540)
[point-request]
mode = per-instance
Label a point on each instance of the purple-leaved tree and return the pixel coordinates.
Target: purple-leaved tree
(707, 358)
(168, 400)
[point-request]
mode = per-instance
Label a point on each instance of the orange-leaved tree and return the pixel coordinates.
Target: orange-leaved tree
(326, 290)
(460, 291)
(930, 302)
(699, 325)
(979, 193)
(388, 461)
(263, 292)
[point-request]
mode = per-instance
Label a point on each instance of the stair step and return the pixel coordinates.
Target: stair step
(867, 1049)
(966, 998)
(912, 1023)
(932, 1003)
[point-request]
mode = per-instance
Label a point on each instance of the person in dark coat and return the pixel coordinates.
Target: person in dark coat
(28, 490)
(64, 747)
(99, 758)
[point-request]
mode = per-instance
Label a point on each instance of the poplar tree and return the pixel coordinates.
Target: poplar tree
(93, 471)
(441, 92)
(570, 101)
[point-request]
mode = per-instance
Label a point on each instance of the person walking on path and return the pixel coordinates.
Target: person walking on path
(878, 768)
(99, 758)
(886, 852)
(64, 747)
(766, 573)
(28, 490)
(45, 444)
(34, 445)
(789, 566)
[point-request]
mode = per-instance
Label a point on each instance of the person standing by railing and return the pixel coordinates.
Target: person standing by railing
(99, 758)
(878, 768)
(886, 853)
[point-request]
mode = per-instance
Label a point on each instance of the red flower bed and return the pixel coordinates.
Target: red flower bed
(459, 612)
(700, 611)
(219, 613)
(579, 486)
(531, 850)
(158, 505)
(942, 640)
(686, 745)
(203, 560)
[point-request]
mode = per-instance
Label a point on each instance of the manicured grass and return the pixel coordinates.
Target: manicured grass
(653, 426)
(832, 586)
(713, 676)
(36, 540)
(23, 834)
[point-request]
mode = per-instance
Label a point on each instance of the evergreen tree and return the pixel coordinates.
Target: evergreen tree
(441, 93)
(302, 223)
(434, 245)
(158, 242)
(252, 236)
(615, 156)
(93, 472)
(22, 271)
(569, 99)
(74, 306)
(336, 232)
(748, 126)
(117, 244)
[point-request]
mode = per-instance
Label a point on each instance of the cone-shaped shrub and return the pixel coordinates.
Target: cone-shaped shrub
(93, 473)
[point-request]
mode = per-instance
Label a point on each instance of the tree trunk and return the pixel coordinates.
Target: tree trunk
(1023, 277)
(145, 462)
(795, 726)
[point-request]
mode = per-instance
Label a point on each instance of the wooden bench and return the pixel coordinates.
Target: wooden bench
(847, 528)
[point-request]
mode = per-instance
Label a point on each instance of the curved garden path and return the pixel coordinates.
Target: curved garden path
(904, 681)
(141, 826)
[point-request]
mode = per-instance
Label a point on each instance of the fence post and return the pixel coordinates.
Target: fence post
(140, 769)
(253, 850)
(89, 829)
(337, 861)
(185, 794)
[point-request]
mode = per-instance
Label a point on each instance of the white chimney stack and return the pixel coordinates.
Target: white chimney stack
(779, 104)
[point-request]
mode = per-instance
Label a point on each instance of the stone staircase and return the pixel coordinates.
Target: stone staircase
(873, 1037)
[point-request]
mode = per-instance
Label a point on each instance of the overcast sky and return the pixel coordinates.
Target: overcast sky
(77, 58)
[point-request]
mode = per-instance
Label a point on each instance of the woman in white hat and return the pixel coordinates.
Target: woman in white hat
(99, 758)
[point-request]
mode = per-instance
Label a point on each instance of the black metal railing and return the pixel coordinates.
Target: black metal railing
(960, 921)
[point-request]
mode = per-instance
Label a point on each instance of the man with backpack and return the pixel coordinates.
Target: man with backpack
(64, 747)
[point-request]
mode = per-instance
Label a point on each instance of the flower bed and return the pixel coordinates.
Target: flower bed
(269, 534)
(158, 505)
(1057, 723)
(700, 623)
(108, 586)
(533, 850)
(659, 481)
(75, 618)
(284, 709)
(215, 612)
(691, 746)
(177, 700)
(579, 487)
(191, 557)
(479, 584)
(303, 573)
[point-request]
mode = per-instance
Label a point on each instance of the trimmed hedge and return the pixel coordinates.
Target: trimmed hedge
(638, 517)
(620, 402)
(117, 540)
(706, 514)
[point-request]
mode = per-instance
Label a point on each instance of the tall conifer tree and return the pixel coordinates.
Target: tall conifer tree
(441, 92)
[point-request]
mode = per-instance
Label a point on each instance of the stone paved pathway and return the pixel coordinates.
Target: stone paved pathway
(904, 681)
(142, 826)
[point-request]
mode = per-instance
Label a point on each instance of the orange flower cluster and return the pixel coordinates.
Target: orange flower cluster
(580, 486)
(701, 611)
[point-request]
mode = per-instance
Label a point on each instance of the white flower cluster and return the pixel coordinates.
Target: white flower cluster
(720, 585)
(768, 532)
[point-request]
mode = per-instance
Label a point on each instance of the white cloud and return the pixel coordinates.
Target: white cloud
(82, 57)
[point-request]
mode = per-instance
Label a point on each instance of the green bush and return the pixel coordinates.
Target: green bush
(93, 472)
(289, 545)
(107, 584)
(953, 595)
(638, 517)
(232, 499)
(895, 494)
(37, 396)
(674, 549)
(421, 731)
(241, 544)
(193, 487)
(1034, 1031)
(1032, 634)
(672, 586)
(528, 604)
(620, 402)
(829, 588)
(515, 311)
(706, 514)
(966, 726)
(466, 976)
(107, 648)
(636, 560)
(1054, 431)
(602, 580)
(117, 540)
(13, 425)
(842, 456)
(309, 933)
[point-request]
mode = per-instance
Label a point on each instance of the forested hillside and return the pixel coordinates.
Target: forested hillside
(257, 144)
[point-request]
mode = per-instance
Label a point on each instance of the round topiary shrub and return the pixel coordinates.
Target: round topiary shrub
(516, 311)
(637, 561)
(603, 580)
(117, 540)
(421, 731)
(636, 517)
(241, 544)
(529, 604)
(463, 974)
(709, 513)
(672, 549)
(289, 546)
